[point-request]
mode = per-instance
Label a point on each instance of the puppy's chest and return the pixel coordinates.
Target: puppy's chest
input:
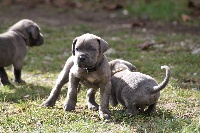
(91, 79)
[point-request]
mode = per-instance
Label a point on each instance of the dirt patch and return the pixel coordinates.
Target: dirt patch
(98, 17)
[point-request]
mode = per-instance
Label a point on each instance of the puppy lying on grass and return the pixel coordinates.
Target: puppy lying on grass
(134, 90)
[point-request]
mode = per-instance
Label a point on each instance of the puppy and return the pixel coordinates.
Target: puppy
(87, 66)
(134, 90)
(13, 47)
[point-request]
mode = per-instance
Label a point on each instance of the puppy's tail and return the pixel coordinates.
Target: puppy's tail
(165, 81)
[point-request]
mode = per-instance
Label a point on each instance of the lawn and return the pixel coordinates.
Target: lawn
(178, 109)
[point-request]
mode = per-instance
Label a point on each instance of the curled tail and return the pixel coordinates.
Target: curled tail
(165, 81)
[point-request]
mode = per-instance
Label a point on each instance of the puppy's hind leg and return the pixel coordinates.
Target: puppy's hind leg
(151, 109)
(90, 96)
(113, 100)
(17, 73)
(17, 66)
(4, 77)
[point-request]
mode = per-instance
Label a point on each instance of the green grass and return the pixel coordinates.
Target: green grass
(178, 108)
(170, 10)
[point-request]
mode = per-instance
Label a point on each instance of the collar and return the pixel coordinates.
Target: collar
(20, 34)
(96, 66)
(118, 70)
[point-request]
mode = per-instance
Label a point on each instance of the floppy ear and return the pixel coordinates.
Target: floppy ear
(103, 45)
(73, 46)
(131, 67)
(112, 64)
(34, 32)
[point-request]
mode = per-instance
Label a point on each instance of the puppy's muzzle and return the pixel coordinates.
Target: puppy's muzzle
(83, 61)
(81, 58)
(40, 40)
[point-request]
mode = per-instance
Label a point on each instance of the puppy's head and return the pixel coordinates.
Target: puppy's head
(121, 64)
(88, 50)
(30, 31)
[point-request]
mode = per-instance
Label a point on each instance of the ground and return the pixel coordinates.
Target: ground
(96, 17)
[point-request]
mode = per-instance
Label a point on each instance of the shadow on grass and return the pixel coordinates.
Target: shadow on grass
(23, 92)
(162, 120)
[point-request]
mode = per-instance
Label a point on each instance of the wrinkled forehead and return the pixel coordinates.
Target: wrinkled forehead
(35, 25)
(87, 40)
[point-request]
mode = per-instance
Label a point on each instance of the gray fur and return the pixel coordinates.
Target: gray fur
(135, 90)
(13, 47)
(87, 54)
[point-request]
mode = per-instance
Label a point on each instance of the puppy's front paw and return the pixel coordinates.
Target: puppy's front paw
(20, 81)
(104, 113)
(69, 106)
(105, 116)
(48, 104)
(8, 84)
(94, 107)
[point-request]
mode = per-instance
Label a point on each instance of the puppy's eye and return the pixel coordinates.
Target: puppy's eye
(77, 49)
(92, 49)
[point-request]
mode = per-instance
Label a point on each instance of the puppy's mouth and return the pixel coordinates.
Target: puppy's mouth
(86, 66)
(39, 42)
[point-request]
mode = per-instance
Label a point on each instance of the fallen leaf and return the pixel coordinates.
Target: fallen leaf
(138, 24)
(146, 45)
(113, 7)
(186, 18)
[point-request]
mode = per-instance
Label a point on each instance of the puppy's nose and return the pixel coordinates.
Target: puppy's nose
(81, 58)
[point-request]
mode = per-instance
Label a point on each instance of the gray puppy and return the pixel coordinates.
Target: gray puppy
(134, 90)
(13, 47)
(87, 66)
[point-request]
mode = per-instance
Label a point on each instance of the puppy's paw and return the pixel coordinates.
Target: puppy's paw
(8, 83)
(47, 104)
(104, 116)
(104, 113)
(20, 81)
(69, 106)
(94, 107)
(150, 112)
(131, 112)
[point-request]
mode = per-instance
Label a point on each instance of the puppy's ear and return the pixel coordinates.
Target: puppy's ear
(73, 46)
(34, 32)
(111, 64)
(103, 45)
(128, 65)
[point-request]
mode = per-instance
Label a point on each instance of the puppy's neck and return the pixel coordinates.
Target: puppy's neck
(96, 66)
(20, 34)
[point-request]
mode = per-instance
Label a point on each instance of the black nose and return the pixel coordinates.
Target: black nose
(81, 58)
(41, 40)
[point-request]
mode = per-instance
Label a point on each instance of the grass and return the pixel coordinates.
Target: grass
(159, 10)
(178, 108)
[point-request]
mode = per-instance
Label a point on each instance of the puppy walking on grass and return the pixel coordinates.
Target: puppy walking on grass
(135, 90)
(13, 47)
(87, 66)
